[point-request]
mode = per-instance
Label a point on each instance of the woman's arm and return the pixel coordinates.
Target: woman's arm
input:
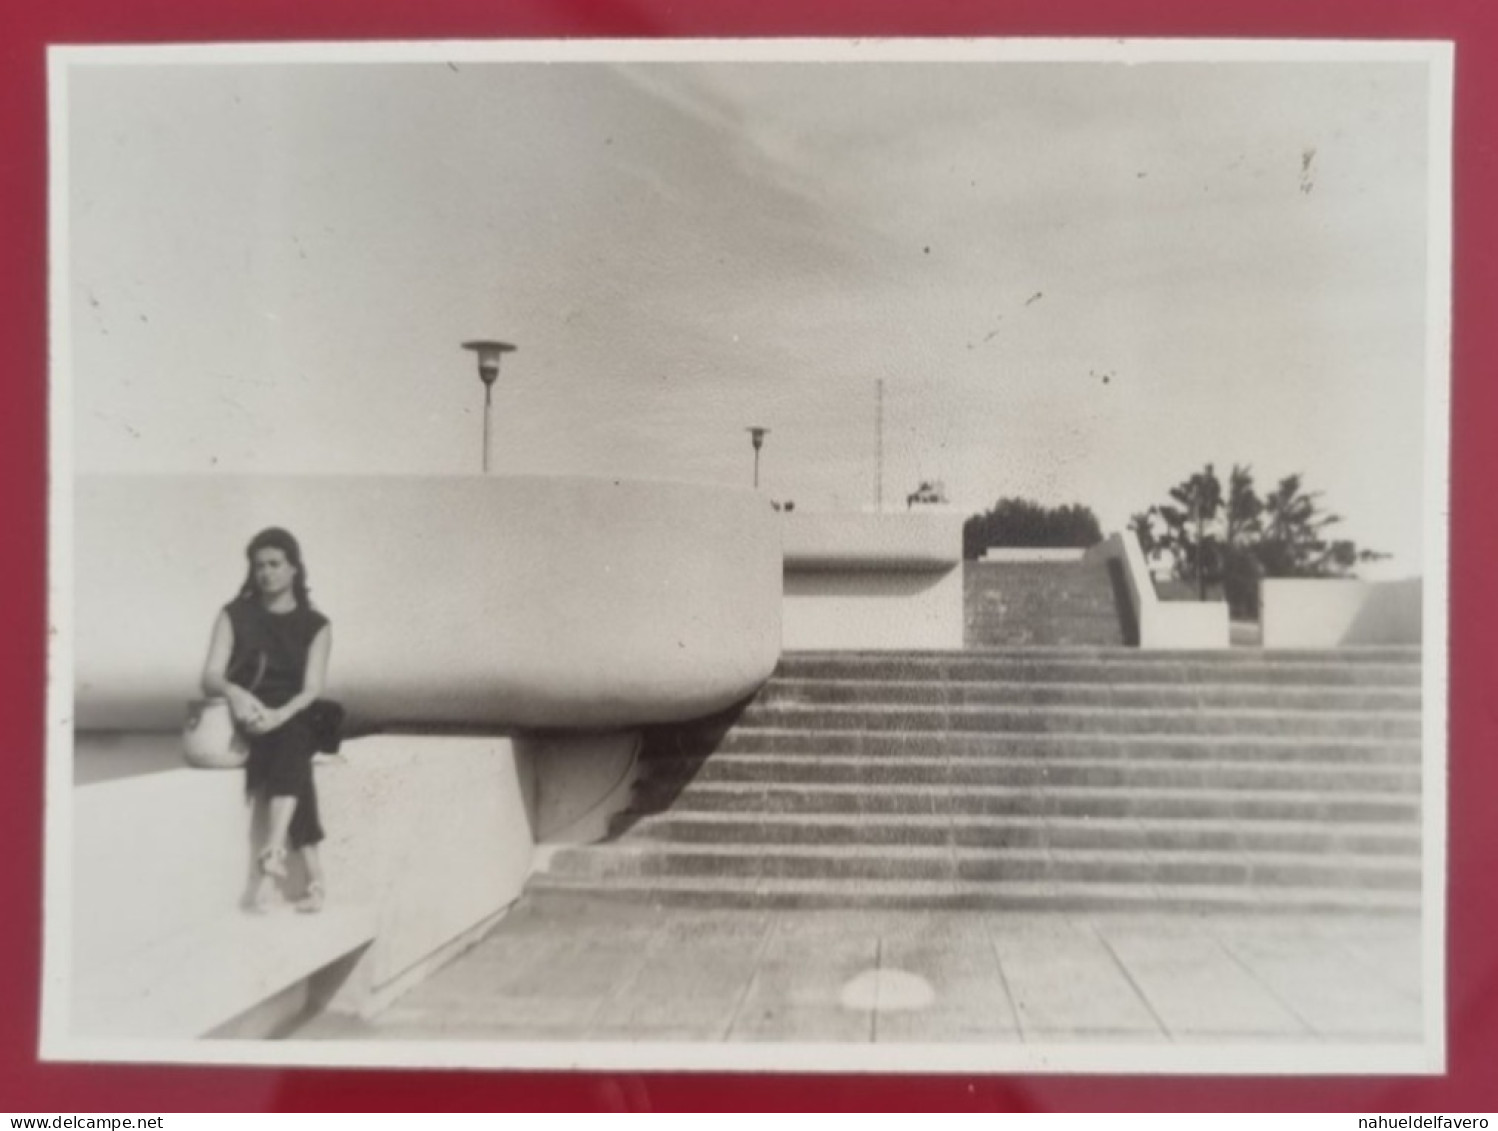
(243, 705)
(312, 684)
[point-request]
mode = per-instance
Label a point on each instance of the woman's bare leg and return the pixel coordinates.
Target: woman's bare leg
(316, 889)
(281, 811)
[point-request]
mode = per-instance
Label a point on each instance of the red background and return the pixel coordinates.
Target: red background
(25, 30)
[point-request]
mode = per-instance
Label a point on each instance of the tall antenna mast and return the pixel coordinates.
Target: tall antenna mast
(879, 448)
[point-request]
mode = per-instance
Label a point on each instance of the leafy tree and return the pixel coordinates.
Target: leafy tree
(1231, 540)
(1020, 522)
(1294, 542)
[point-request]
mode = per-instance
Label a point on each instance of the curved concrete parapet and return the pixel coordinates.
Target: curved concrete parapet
(507, 602)
(887, 543)
(873, 581)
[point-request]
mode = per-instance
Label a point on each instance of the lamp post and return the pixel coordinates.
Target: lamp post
(489, 354)
(757, 438)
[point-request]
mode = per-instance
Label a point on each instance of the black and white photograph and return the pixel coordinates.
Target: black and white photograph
(822, 555)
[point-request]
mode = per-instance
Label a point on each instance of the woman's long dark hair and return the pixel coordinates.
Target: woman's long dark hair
(274, 538)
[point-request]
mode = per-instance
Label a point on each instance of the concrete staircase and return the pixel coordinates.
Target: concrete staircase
(1046, 604)
(1045, 778)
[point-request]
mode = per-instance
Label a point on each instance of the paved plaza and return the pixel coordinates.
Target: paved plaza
(591, 969)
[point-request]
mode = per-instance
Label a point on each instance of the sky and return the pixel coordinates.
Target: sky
(1078, 282)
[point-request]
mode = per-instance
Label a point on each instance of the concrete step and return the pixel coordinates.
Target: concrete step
(1060, 744)
(1101, 626)
(1090, 777)
(1040, 630)
(1039, 607)
(1049, 603)
(1377, 667)
(999, 719)
(889, 692)
(751, 892)
(854, 769)
(1067, 801)
(1054, 604)
(1049, 633)
(998, 578)
(958, 864)
(1059, 603)
(1129, 834)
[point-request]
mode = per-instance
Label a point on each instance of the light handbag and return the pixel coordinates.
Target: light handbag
(211, 739)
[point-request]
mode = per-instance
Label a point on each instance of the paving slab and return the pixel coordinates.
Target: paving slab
(1390, 951)
(1335, 997)
(1195, 986)
(963, 975)
(615, 1031)
(1034, 925)
(1049, 1036)
(1065, 980)
(940, 1027)
(547, 914)
(494, 1017)
(795, 971)
(698, 985)
(768, 1021)
(573, 969)
(714, 928)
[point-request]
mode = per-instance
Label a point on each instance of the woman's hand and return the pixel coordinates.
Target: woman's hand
(248, 711)
(267, 720)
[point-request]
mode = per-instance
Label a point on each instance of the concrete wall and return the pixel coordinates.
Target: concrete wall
(1166, 626)
(579, 783)
(1027, 554)
(434, 833)
(517, 602)
(872, 610)
(872, 582)
(900, 542)
(1332, 612)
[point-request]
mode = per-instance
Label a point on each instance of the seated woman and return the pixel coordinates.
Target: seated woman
(268, 657)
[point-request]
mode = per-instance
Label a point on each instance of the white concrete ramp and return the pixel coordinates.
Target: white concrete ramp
(193, 982)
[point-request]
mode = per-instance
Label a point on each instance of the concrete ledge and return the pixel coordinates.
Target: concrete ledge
(157, 855)
(884, 542)
(1328, 612)
(163, 859)
(195, 981)
(869, 610)
(1020, 555)
(1162, 625)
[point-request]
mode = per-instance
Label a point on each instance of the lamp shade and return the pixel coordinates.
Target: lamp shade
(489, 354)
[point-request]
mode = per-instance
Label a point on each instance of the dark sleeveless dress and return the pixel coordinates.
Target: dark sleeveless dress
(270, 660)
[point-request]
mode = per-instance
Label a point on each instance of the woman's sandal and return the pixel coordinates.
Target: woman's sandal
(265, 896)
(273, 863)
(312, 901)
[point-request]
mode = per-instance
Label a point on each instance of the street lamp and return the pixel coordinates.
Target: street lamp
(757, 438)
(489, 354)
